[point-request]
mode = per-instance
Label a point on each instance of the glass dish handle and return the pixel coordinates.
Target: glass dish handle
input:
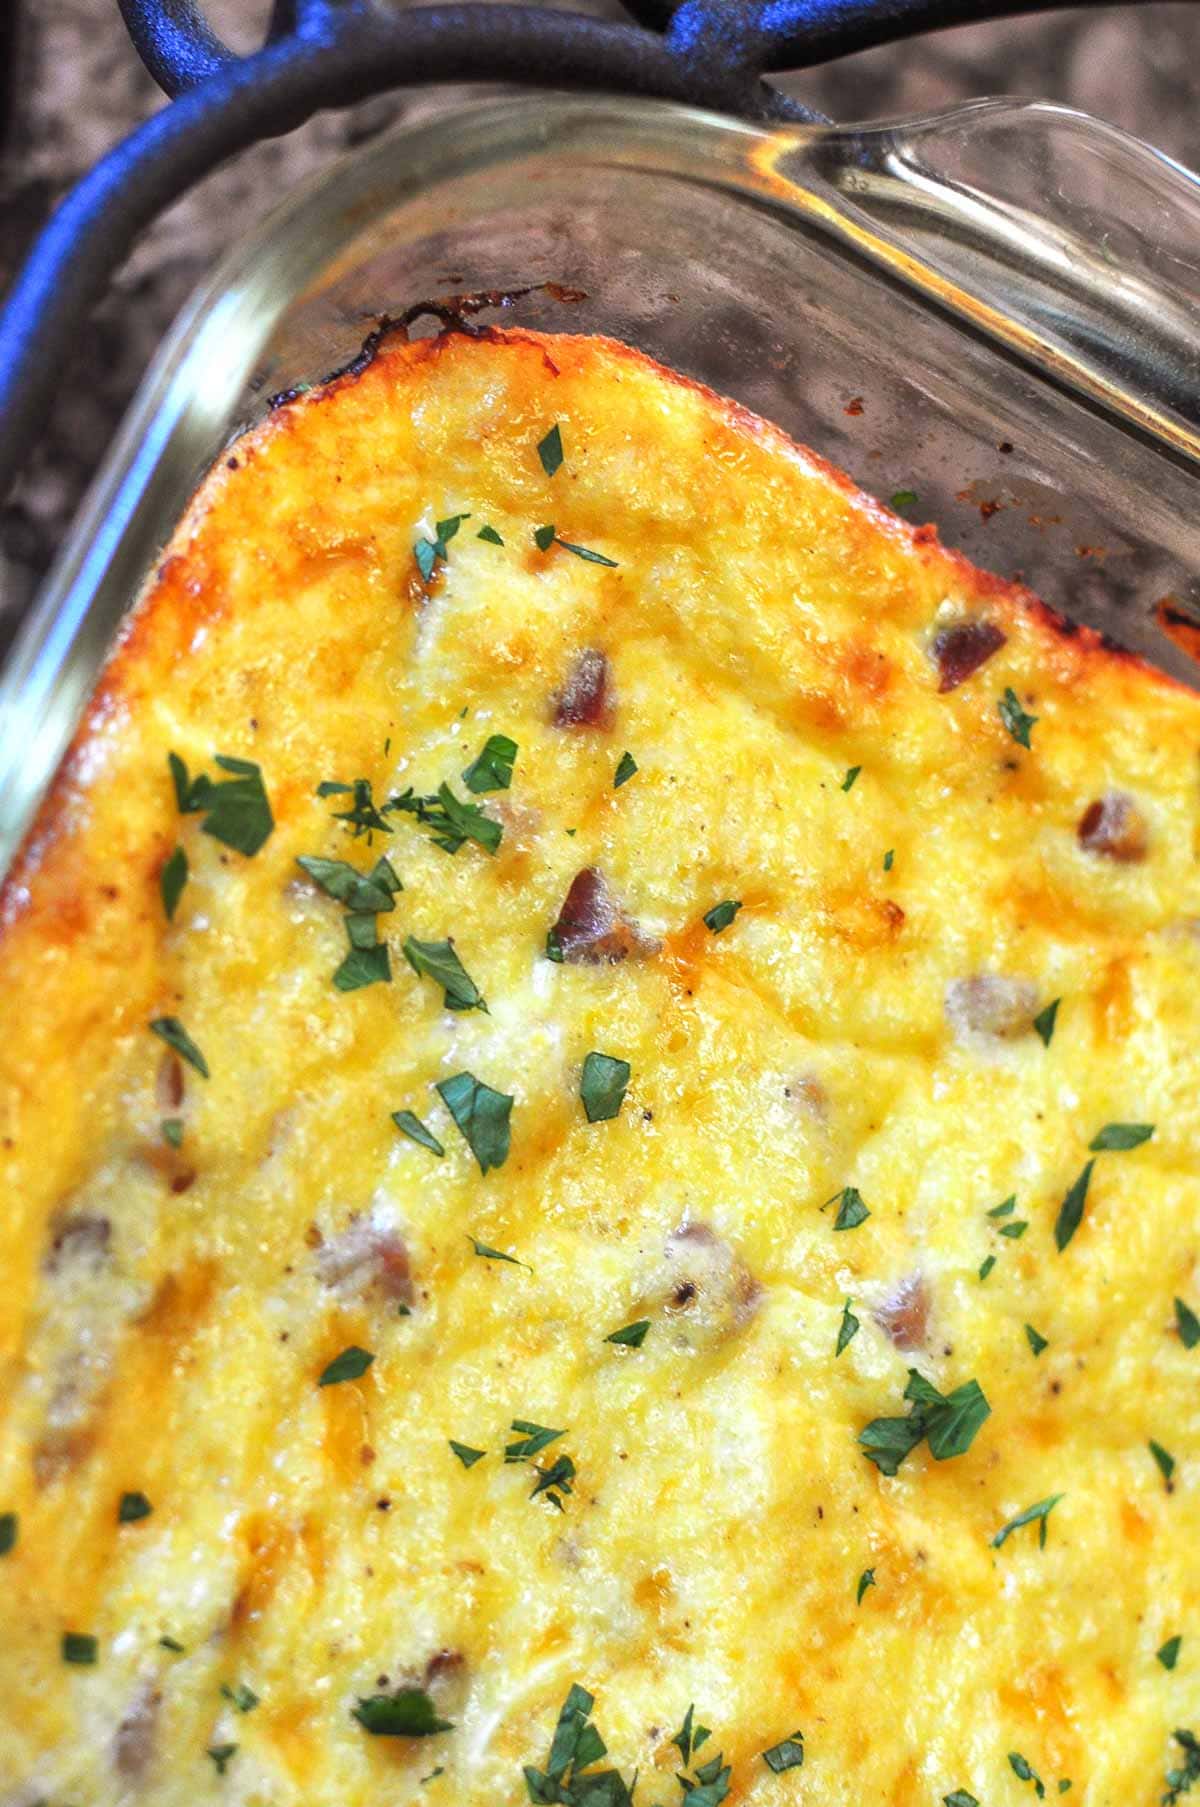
(1066, 238)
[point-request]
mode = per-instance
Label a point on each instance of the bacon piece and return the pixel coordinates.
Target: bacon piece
(990, 1006)
(368, 1256)
(709, 1288)
(169, 1083)
(960, 648)
(904, 1314)
(133, 1744)
(586, 699)
(77, 1239)
(1114, 826)
(592, 929)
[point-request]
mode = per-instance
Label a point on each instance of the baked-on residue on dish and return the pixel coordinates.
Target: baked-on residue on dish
(599, 1114)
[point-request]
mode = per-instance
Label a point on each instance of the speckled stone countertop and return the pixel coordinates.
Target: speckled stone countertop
(79, 87)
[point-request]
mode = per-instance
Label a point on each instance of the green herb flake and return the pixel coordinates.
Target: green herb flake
(427, 553)
(559, 1475)
(363, 965)
(1025, 1772)
(543, 537)
(172, 1131)
(481, 1115)
(602, 1086)
(9, 1526)
(787, 1754)
(1037, 1342)
(1168, 1654)
(171, 1644)
(351, 1364)
(487, 1253)
(1119, 1137)
(1070, 1214)
(627, 765)
(986, 1266)
(851, 1210)
(362, 817)
(438, 961)
(1006, 1209)
(1032, 1515)
(686, 1739)
(1165, 1460)
(365, 893)
(960, 1798)
(240, 1696)
(950, 1423)
(1045, 1020)
(451, 819)
(888, 859)
(410, 1125)
(849, 780)
(865, 1580)
(466, 1455)
(1180, 1779)
(550, 450)
(847, 1330)
(434, 1773)
(490, 535)
(492, 769)
(1187, 1324)
(533, 1439)
(904, 498)
(79, 1647)
(721, 915)
(171, 881)
(170, 1030)
(585, 552)
(132, 1507)
(1015, 719)
(1015, 1230)
(221, 1755)
(236, 809)
(632, 1336)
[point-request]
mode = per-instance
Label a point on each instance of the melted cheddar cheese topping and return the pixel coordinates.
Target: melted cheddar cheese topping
(853, 1155)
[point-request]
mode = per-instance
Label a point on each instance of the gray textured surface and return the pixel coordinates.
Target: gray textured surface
(80, 88)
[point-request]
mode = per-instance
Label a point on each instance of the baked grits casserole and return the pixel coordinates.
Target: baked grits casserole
(599, 1113)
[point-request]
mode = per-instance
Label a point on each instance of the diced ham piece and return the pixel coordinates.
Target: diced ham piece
(904, 1314)
(368, 1256)
(1114, 826)
(990, 1007)
(592, 929)
(133, 1744)
(709, 1289)
(960, 648)
(586, 699)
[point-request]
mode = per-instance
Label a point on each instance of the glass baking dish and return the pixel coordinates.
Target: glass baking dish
(989, 314)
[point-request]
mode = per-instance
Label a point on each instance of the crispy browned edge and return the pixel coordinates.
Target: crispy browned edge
(385, 346)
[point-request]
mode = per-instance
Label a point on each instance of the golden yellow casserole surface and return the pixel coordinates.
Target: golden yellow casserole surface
(852, 1117)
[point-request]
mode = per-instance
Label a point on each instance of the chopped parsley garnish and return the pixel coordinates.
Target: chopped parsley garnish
(368, 962)
(1168, 1654)
(451, 820)
(1180, 1779)
(865, 1580)
(960, 1798)
(79, 1647)
(466, 1455)
(787, 1754)
(1118, 1137)
(240, 1696)
(555, 1480)
(172, 1031)
(1014, 717)
(1006, 1209)
(1045, 1020)
(171, 881)
(365, 893)
(847, 1330)
(627, 765)
(534, 1438)
(721, 915)
(888, 859)
(362, 817)
(904, 498)
(438, 961)
(487, 1253)
(1015, 1230)
(172, 1644)
(632, 1336)
(351, 1364)
(221, 1754)
(410, 1125)
(1026, 1773)
(949, 1423)
(131, 1507)
(851, 1210)
(428, 553)
(172, 1131)
(1165, 1460)
(593, 558)
(543, 537)
(1032, 1515)
(9, 1523)
(550, 450)
(849, 779)
(1070, 1214)
(602, 1086)
(1187, 1324)
(492, 770)
(986, 1266)
(690, 1736)
(481, 1115)
(490, 535)
(577, 1744)
(236, 809)
(1037, 1342)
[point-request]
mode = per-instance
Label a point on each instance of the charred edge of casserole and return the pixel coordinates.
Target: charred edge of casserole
(381, 350)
